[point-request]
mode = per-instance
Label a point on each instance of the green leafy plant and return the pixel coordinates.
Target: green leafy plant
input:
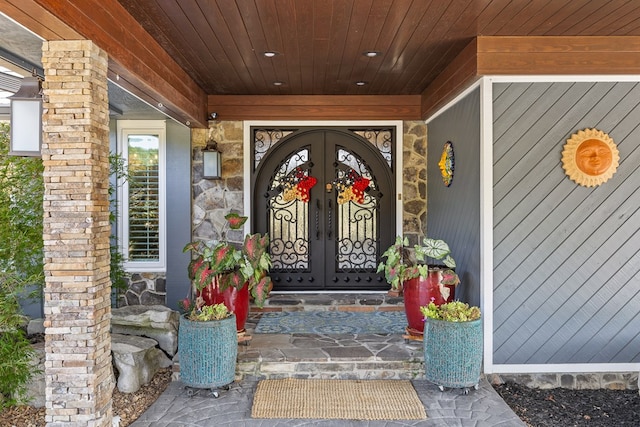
(454, 311)
(21, 218)
(396, 267)
(16, 353)
(208, 313)
(223, 264)
(399, 266)
(439, 250)
(118, 173)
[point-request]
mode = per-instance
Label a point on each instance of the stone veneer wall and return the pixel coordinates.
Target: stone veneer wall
(144, 289)
(586, 381)
(213, 199)
(77, 305)
(414, 178)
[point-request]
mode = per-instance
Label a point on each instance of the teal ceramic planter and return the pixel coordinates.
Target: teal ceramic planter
(453, 353)
(208, 352)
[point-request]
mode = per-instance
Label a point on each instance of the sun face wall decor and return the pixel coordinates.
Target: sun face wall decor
(447, 163)
(590, 157)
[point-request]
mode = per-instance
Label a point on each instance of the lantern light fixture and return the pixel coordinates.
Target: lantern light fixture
(211, 161)
(26, 118)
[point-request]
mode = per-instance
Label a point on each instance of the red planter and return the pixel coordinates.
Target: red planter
(236, 300)
(418, 292)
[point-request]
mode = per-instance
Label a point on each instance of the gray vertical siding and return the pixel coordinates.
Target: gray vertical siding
(453, 213)
(178, 211)
(566, 257)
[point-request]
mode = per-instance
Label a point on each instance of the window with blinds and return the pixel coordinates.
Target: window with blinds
(144, 196)
(141, 219)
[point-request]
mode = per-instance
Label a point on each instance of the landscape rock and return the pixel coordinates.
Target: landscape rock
(35, 326)
(36, 386)
(137, 360)
(156, 322)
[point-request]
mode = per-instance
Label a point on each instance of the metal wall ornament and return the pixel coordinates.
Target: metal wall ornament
(447, 163)
(590, 157)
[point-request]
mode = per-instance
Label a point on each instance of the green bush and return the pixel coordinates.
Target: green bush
(21, 211)
(16, 352)
(21, 263)
(118, 172)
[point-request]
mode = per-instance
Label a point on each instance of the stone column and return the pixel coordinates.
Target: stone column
(414, 191)
(77, 306)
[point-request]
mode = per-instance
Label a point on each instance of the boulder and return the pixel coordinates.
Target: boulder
(35, 326)
(36, 386)
(154, 321)
(137, 360)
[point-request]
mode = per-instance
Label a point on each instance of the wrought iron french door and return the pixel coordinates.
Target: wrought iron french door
(326, 198)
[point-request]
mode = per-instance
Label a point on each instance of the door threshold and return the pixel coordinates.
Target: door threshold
(358, 292)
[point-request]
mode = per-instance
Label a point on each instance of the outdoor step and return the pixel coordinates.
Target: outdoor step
(335, 356)
(331, 301)
(343, 356)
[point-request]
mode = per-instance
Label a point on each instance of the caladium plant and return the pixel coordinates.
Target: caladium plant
(399, 266)
(223, 264)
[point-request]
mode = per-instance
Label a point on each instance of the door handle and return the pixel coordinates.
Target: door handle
(317, 219)
(330, 225)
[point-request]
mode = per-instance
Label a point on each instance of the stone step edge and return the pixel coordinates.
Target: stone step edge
(348, 369)
(349, 308)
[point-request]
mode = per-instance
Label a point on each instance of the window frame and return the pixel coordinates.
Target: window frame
(125, 128)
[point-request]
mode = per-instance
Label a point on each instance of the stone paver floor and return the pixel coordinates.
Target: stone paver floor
(178, 408)
(479, 408)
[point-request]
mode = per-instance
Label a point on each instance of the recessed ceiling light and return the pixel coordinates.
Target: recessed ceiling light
(278, 83)
(371, 53)
(270, 54)
(361, 83)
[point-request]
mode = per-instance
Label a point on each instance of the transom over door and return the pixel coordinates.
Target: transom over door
(326, 198)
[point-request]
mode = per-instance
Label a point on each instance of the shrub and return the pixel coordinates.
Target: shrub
(16, 352)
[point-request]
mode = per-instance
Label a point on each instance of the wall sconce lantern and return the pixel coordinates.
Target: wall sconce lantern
(26, 119)
(211, 161)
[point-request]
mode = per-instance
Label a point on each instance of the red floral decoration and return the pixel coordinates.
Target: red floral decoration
(352, 188)
(299, 186)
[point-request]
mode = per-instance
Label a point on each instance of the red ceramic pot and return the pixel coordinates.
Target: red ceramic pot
(417, 293)
(236, 300)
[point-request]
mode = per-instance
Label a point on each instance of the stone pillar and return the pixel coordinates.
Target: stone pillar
(414, 191)
(77, 306)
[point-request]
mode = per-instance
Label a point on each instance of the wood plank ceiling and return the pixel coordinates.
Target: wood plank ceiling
(192, 57)
(320, 44)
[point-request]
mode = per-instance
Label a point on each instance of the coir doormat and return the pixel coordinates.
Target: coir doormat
(332, 322)
(337, 399)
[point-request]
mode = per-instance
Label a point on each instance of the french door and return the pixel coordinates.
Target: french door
(326, 198)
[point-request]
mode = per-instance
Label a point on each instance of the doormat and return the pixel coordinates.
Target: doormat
(332, 322)
(337, 399)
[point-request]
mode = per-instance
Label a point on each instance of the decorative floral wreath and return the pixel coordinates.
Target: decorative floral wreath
(590, 157)
(351, 187)
(447, 163)
(298, 186)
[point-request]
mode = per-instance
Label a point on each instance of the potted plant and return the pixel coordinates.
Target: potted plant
(452, 344)
(420, 281)
(207, 345)
(224, 273)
